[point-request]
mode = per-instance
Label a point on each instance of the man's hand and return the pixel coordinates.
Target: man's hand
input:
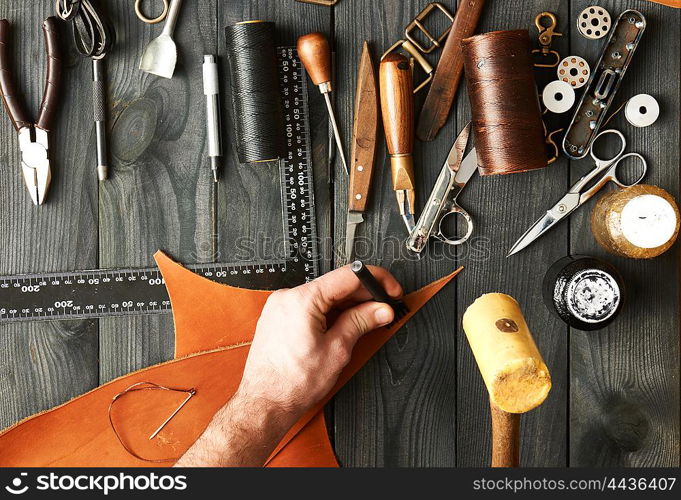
(303, 340)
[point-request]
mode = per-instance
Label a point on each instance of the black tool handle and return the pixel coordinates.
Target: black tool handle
(48, 107)
(13, 105)
(370, 282)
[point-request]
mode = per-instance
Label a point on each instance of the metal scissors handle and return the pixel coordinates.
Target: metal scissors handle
(453, 207)
(143, 18)
(607, 168)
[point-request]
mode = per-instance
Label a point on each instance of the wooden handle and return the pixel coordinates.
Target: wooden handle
(315, 53)
(505, 438)
(441, 94)
(397, 103)
(364, 134)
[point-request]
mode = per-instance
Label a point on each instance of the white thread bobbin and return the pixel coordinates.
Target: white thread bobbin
(574, 70)
(558, 96)
(642, 110)
(594, 22)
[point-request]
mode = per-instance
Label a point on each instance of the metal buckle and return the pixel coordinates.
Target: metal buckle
(416, 23)
(412, 46)
(546, 34)
(320, 2)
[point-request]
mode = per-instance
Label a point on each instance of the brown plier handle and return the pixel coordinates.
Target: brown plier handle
(48, 107)
(10, 97)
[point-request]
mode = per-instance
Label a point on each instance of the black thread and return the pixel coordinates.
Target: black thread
(256, 100)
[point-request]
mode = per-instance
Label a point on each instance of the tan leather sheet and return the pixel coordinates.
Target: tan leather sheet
(219, 321)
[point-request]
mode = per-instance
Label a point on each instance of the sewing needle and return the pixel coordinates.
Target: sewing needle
(160, 428)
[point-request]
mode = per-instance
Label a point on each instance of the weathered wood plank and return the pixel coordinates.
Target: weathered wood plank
(504, 207)
(161, 191)
(400, 409)
(42, 365)
(250, 225)
(624, 379)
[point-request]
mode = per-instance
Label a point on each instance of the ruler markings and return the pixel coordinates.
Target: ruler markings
(121, 292)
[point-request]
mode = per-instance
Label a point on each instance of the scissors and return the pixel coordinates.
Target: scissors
(442, 202)
(580, 193)
(143, 18)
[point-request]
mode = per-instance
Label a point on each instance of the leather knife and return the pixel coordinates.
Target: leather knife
(364, 141)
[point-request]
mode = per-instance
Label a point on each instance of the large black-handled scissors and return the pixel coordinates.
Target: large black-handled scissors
(580, 192)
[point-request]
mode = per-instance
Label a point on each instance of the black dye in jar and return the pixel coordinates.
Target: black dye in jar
(585, 292)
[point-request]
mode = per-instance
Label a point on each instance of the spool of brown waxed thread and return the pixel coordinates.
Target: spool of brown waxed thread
(509, 134)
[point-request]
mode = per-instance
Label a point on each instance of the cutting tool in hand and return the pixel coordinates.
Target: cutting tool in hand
(453, 177)
(583, 190)
(33, 137)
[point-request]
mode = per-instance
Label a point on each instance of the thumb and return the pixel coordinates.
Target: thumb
(360, 319)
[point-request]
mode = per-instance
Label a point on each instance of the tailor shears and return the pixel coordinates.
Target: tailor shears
(584, 189)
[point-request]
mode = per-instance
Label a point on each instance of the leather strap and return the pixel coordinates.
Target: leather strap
(13, 105)
(48, 107)
(441, 94)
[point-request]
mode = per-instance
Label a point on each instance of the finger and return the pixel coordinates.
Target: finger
(352, 323)
(341, 285)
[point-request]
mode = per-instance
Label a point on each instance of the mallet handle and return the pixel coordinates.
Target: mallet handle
(505, 438)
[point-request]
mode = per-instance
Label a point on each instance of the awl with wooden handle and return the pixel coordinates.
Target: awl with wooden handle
(315, 53)
(397, 107)
(364, 141)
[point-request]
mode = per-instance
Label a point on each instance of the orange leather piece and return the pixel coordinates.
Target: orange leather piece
(669, 3)
(78, 433)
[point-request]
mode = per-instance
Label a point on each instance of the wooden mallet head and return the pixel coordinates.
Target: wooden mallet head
(511, 366)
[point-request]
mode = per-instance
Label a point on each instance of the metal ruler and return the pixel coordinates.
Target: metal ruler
(119, 292)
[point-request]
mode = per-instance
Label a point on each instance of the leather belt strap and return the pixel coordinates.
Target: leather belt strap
(448, 73)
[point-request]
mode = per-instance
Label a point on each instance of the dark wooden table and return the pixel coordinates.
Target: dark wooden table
(421, 400)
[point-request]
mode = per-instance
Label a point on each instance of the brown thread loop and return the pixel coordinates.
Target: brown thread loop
(141, 386)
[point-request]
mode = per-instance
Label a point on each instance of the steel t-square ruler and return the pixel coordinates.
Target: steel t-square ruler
(119, 292)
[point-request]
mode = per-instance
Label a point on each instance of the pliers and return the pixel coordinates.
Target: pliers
(33, 137)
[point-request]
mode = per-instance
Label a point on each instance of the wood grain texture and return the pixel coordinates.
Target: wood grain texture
(448, 74)
(421, 400)
(400, 409)
(624, 379)
(44, 364)
(160, 192)
(314, 52)
(505, 437)
(364, 133)
(396, 89)
(249, 203)
(503, 207)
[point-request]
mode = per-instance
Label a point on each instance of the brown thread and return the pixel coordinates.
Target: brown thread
(509, 133)
(141, 386)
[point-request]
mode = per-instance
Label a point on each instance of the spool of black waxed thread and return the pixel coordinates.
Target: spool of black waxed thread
(585, 292)
(256, 100)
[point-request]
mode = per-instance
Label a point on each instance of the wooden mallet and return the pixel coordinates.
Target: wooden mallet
(512, 367)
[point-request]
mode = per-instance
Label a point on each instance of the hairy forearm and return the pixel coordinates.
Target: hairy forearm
(243, 433)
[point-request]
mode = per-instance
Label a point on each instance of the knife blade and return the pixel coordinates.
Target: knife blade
(364, 141)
